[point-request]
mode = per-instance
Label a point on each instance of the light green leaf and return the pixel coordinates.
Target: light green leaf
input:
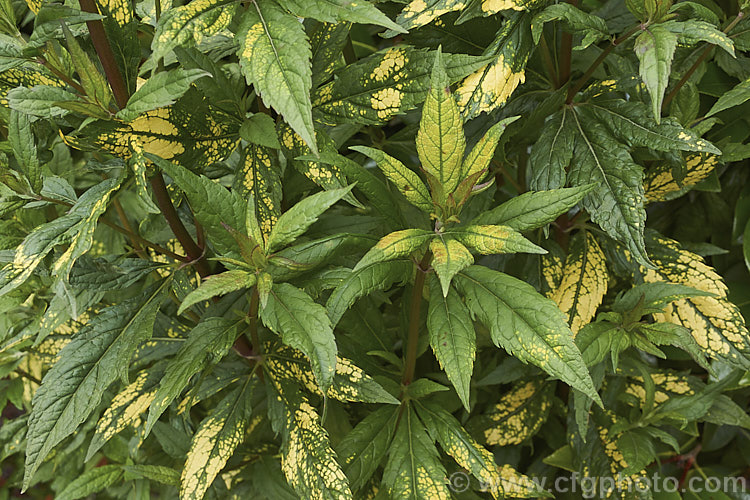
(452, 338)
(218, 284)
(420, 13)
(526, 324)
(365, 446)
(335, 11)
(407, 181)
(480, 156)
(440, 139)
(449, 257)
(73, 388)
(158, 473)
(92, 481)
(206, 345)
(259, 180)
(301, 216)
(23, 144)
(395, 245)
(303, 325)
(260, 129)
(96, 86)
(489, 240)
(190, 22)
(378, 276)
(692, 31)
(655, 49)
(551, 154)
(533, 209)
(214, 442)
(413, 469)
(592, 28)
(275, 57)
(738, 95)
(39, 100)
(162, 89)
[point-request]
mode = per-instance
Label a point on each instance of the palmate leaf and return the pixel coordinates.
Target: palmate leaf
(551, 154)
(73, 388)
(526, 324)
(413, 470)
(260, 177)
(715, 323)
(191, 22)
(385, 84)
(217, 437)
(126, 408)
(308, 462)
(275, 57)
(394, 245)
(440, 139)
(617, 201)
(448, 257)
(584, 281)
(378, 276)
(452, 338)
(206, 345)
(365, 446)
(662, 185)
(218, 284)
(655, 49)
(334, 11)
(489, 87)
(518, 415)
(533, 209)
(303, 325)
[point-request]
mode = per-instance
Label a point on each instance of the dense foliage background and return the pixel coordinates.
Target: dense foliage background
(362, 249)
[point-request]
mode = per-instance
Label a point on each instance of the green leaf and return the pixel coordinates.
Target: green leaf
(162, 89)
(301, 216)
(526, 324)
(40, 100)
(303, 325)
(533, 209)
(692, 31)
(93, 82)
(489, 240)
(91, 482)
(218, 284)
(217, 437)
(212, 204)
(192, 22)
(259, 180)
(489, 87)
(407, 181)
(379, 276)
(738, 95)
(592, 28)
(327, 41)
(365, 446)
(449, 257)
(335, 11)
(158, 473)
(452, 338)
(206, 345)
(260, 129)
(308, 462)
(420, 13)
(394, 245)
(655, 49)
(385, 84)
(92, 360)
(584, 281)
(551, 154)
(617, 201)
(23, 144)
(413, 469)
(275, 57)
(440, 139)
(480, 156)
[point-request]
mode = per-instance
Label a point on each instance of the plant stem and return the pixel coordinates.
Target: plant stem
(253, 319)
(585, 78)
(706, 52)
(414, 319)
(566, 53)
(62, 76)
(126, 224)
(548, 62)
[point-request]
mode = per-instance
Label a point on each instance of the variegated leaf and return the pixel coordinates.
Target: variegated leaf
(489, 240)
(395, 245)
(259, 176)
(480, 156)
(584, 281)
(448, 257)
(662, 185)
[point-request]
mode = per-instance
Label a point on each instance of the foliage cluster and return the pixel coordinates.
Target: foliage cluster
(348, 249)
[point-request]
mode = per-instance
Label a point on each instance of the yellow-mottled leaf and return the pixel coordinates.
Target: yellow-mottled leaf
(215, 440)
(489, 240)
(126, 408)
(448, 257)
(489, 87)
(513, 484)
(584, 281)
(413, 469)
(518, 415)
(661, 185)
(552, 273)
(407, 181)
(440, 139)
(259, 176)
(395, 245)
(119, 10)
(715, 323)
